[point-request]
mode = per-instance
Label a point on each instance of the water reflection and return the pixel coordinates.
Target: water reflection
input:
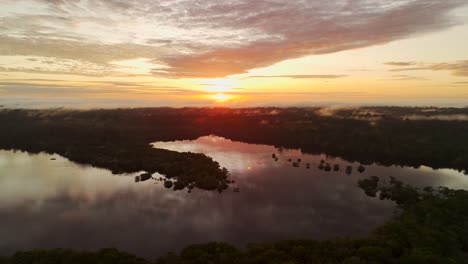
(55, 203)
(243, 159)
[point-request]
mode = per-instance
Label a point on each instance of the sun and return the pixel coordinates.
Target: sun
(220, 97)
(221, 89)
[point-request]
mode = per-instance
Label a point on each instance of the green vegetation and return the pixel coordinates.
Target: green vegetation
(119, 139)
(143, 177)
(274, 157)
(430, 226)
(168, 184)
(336, 167)
(321, 166)
(65, 256)
(361, 169)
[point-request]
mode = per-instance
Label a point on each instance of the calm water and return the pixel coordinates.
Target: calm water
(55, 203)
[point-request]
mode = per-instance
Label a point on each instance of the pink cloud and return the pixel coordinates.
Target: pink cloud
(211, 38)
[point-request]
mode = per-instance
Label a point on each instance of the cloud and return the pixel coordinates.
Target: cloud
(399, 63)
(308, 76)
(96, 53)
(76, 71)
(459, 68)
(330, 94)
(402, 77)
(207, 39)
(306, 28)
(81, 88)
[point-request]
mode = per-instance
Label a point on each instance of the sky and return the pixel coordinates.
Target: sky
(235, 53)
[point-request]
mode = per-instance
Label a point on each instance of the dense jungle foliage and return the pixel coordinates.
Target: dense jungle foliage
(119, 139)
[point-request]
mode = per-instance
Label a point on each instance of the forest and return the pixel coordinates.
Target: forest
(119, 139)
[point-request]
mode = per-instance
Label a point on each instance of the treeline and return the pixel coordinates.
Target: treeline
(119, 139)
(431, 226)
(66, 256)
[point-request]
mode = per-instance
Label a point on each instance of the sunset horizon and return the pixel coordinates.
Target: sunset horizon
(85, 54)
(233, 131)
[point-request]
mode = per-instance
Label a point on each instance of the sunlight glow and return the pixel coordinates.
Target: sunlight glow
(106, 55)
(220, 97)
(219, 85)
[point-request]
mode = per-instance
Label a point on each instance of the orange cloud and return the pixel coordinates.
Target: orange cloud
(459, 68)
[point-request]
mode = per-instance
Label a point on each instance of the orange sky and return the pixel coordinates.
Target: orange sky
(107, 53)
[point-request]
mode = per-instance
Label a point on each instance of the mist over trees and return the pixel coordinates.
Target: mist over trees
(119, 139)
